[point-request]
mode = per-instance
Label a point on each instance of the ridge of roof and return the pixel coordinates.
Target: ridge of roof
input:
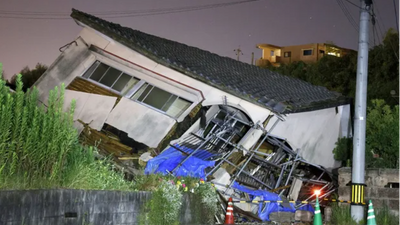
(268, 89)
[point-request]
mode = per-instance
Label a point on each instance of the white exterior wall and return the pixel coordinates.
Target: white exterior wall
(315, 133)
(213, 96)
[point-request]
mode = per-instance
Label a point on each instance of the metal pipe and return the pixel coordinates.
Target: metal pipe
(290, 174)
(191, 154)
(255, 178)
(280, 176)
(252, 154)
(219, 164)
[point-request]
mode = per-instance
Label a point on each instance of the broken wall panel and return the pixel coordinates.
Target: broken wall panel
(315, 133)
(141, 123)
(83, 85)
(90, 108)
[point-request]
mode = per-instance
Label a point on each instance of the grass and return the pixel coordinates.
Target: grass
(341, 216)
(39, 146)
(385, 217)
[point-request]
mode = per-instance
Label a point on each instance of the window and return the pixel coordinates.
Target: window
(287, 54)
(307, 52)
(162, 100)
(109, 77)
(272, 53)
(137, 90)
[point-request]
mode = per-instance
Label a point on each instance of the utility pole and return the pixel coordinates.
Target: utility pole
(238, 52)
(358, 170)
(252, 58)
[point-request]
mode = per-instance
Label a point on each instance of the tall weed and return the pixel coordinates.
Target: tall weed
(39, 146)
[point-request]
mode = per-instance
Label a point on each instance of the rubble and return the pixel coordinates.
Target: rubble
(270, 170)
(270, 166)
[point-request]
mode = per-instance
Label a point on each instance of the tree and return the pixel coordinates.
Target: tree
(1, 72)
(340, 73)
(29, 77)
(382, 137)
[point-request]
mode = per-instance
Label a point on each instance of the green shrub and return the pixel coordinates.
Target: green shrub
(343, 150)
(164, 206)
(167, 198)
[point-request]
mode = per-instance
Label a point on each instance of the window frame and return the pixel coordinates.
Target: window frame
(289, 54)
(141, 83)
(308, 49)
(103, 85)
(134, 89)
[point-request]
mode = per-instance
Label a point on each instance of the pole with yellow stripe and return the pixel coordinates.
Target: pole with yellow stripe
(357, 193)
(317, 212)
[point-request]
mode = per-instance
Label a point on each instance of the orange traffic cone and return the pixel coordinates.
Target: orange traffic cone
(229, 213)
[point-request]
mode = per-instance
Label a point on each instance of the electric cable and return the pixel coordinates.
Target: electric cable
(115, 14)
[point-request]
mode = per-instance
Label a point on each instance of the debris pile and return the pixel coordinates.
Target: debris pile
(265, 178)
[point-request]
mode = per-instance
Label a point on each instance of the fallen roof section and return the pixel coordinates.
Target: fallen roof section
(271, 90)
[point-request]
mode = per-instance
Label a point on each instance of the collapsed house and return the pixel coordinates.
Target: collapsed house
(137, 93)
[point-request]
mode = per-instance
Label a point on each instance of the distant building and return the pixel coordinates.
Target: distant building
(307, 53)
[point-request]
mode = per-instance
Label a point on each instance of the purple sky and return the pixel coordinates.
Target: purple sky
(219, 30)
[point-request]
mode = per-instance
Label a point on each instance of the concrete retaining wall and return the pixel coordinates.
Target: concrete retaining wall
(49, 207)
(378, 187)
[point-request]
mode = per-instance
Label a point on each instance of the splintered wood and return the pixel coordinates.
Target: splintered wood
(82, 85)
(106, 142)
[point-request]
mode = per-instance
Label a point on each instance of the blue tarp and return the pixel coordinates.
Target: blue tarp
(170, 158)
(195, 166)
(263, 212)
(307, 207)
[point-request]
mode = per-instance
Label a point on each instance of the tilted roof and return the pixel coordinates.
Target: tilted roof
(263, 87)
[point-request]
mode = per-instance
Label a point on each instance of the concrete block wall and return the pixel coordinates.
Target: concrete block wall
(65, 206)
(377, 189)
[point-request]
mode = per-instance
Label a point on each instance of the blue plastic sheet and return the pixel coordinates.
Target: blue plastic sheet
(171, 157)
(265, 209)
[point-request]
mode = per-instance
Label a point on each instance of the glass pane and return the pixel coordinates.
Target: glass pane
(140, 92)
(157, 98)
(110, 77)
(131, 83)
(121, 82)
(179, 106)
(307, 52)
(169, 103)
(91, 69)
(98, 73)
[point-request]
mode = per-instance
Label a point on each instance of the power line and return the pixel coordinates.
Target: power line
(380, 30)
(374, 32)
(353, 4)
(395, 13)
(347, 14)
(115, 14)
(124, 11)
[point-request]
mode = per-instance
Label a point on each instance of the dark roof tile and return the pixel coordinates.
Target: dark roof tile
(266, 88)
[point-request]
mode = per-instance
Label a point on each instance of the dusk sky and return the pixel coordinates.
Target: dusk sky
(26, 40)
